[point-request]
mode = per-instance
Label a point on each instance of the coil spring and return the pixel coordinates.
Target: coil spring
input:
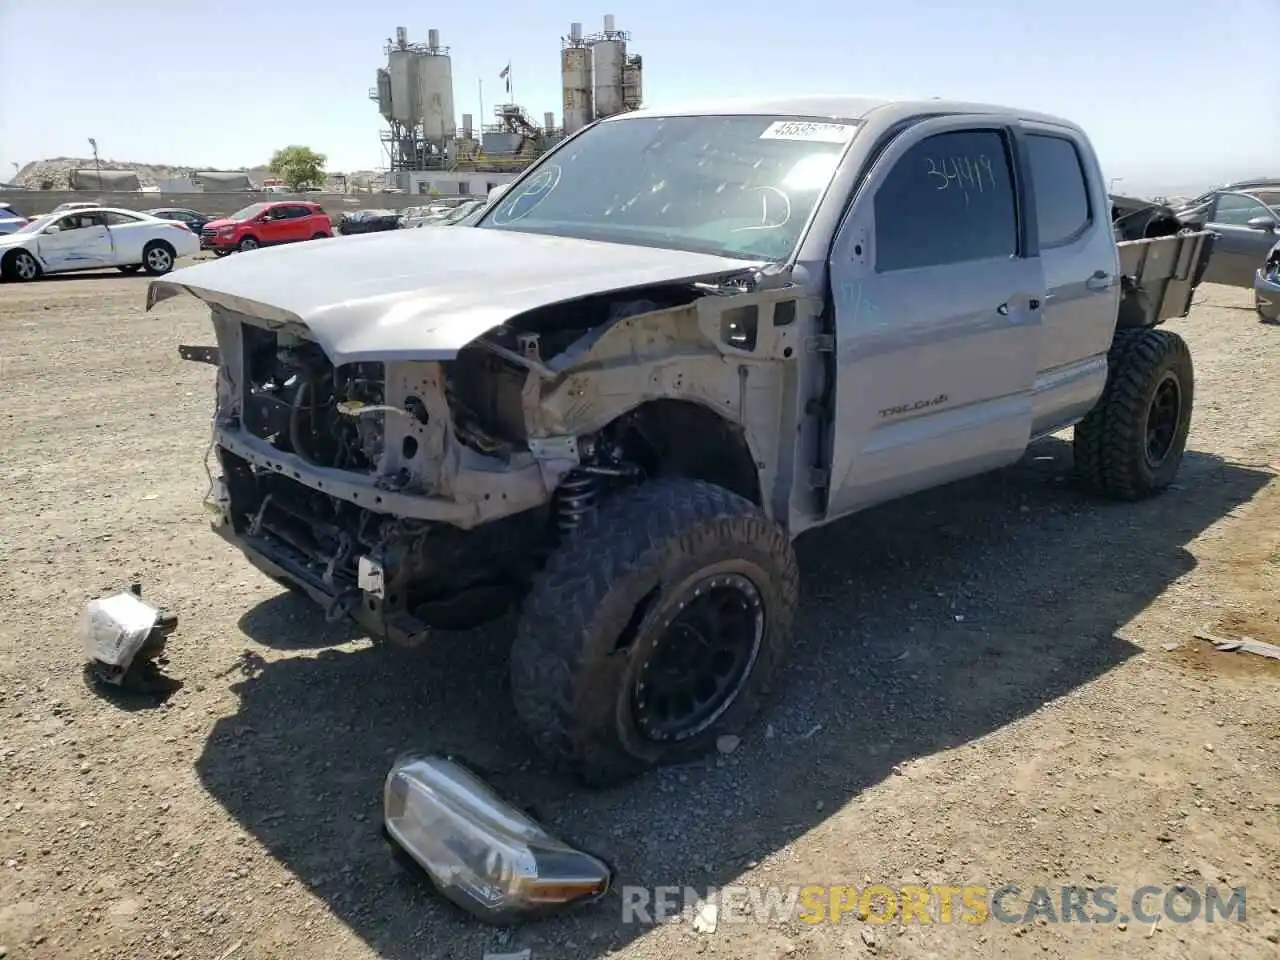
(575, 498)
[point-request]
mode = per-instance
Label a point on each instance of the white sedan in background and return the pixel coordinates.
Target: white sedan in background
(93, 238)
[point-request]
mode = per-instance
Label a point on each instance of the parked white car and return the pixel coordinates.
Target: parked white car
(94, 238)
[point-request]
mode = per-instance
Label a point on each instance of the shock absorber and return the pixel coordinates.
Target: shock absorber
(575, 498)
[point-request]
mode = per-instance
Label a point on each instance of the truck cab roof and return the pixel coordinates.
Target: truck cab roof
(838, 107)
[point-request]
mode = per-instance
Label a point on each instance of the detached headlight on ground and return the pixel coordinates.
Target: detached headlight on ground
(123, 630)
(482, 853)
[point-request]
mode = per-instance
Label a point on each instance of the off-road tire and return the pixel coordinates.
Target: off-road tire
(1110, 442)
(158, 258)
(596, 609)
(9, 266)
(130, 268)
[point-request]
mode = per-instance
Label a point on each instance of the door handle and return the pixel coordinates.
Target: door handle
(1099, 281)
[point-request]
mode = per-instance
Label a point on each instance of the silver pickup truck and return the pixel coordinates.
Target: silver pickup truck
(679, 340)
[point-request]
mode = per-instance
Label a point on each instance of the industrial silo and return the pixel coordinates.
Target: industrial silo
(575, 74)
(435, 90)
(609, 54)
(402, 65)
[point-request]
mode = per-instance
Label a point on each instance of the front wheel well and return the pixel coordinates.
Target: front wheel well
(680, 438)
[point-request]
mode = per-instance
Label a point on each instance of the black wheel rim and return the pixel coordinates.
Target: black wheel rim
(1163, 418)
(698, 665)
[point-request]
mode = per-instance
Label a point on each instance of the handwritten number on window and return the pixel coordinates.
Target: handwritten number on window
(968, 173)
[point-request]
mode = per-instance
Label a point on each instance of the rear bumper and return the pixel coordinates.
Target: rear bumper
(1266, 288)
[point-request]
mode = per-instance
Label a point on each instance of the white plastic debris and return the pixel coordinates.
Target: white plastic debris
(706, 919)
(115, 628)
(120, 629)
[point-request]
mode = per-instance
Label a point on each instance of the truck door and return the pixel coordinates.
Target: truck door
(937, 289)
(1240, 249)
(1081, 269)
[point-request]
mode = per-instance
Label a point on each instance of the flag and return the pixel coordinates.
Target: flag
(506, 75)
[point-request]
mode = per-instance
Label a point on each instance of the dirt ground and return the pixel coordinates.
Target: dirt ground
(995, 683)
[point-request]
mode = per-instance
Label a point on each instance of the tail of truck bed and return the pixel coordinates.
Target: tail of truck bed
(1161, 263)
(1158, 276)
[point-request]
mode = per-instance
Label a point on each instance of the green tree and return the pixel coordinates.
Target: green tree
(299, 166)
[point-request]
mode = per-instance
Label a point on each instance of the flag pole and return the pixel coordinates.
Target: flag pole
(480, 116)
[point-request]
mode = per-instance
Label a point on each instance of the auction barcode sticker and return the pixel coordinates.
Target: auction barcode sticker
(811, 130)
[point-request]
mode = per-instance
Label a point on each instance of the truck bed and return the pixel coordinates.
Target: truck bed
(1158, 276)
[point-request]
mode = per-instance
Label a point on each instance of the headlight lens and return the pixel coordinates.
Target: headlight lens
(482, 853)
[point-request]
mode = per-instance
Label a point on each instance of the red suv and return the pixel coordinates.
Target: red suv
(266, 224)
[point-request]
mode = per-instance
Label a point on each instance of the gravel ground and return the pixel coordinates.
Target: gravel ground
(993, 683)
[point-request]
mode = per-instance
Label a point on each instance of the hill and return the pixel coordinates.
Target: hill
(55, 173)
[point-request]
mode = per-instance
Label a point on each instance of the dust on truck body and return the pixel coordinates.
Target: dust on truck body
(678, 341)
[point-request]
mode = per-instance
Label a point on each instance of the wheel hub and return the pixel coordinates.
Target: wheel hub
(1162, 419)
(701, 660)
(26, 266)
(159, 260)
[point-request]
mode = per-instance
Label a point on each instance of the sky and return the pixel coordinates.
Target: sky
(1174, 93)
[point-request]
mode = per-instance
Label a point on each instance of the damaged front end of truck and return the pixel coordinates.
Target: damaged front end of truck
(412, 480)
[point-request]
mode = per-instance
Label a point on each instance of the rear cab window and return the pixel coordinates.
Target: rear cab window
(950, 199)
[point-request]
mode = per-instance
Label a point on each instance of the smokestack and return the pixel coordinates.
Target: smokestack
(549, 121)
(433, 40)
(608, 23)
(402, 37)
(466, 126)
(575, 32)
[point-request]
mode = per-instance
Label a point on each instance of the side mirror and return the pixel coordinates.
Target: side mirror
(498, 191)
(1262, 223)
(53, 229)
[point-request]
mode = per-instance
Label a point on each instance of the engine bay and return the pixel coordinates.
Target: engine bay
(295, 399)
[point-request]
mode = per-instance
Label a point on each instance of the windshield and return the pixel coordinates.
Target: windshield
(739, 186)
(248, 212)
